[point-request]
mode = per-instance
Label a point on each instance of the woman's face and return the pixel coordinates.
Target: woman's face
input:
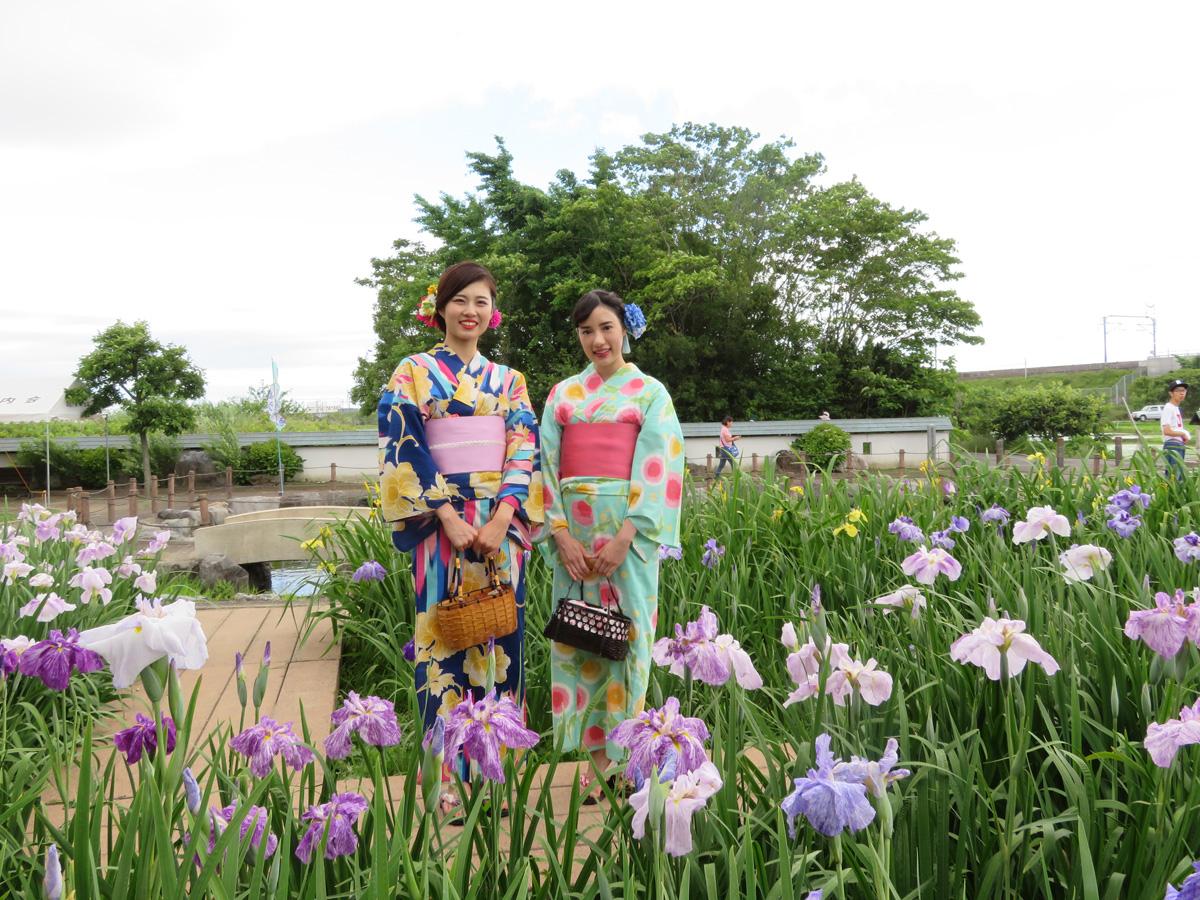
(468, 312)
(600, 335)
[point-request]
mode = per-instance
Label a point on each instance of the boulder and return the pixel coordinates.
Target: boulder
(195, 460)
(217, 567)
(173, 516)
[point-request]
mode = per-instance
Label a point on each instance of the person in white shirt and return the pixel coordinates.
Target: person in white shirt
(1175, 436)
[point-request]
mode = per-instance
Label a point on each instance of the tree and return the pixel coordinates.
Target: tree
(1046, 411)
(767, 295)
(150, 380)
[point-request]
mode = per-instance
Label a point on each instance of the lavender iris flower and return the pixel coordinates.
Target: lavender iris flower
(906, 530)
(341, 812)
(654, 733)
(54, 659)
(712, 553)
(942, 539)
(959, 524)
(1131, 499)
(256, 818)
(1164, 740)
(261, 743)
(1167, 627)
(995, 514)
(410, 650)
(369, 571)
(665, 552)
(191, 792)
(142, 738)
(483, 728)
(372, 717)
(52, 884)
(1189, 888)
(1124, 523)
(1187, 548)
(711, 657)
(831, 804)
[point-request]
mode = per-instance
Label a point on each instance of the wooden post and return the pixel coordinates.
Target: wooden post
(70, 499)
(1060, 451)
(205, 518)
(110, 501)
(171, 491)
(1118, 448)
(192, 484)
(931, 439)
(332, 472)
(133, 497)
(153, 494)
(229, 482)
(1096, 464)
(708, 466)
(753, 462)
(1000, 451)
(85, 509)
(901, 462)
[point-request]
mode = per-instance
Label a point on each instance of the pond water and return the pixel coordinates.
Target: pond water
(297, 578)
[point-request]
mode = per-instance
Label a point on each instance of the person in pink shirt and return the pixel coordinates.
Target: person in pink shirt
(727, 450)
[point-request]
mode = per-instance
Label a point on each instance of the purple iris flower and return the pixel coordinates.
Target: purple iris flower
(1123, 523)
(815, 597)
(1166, 628)
(256, 818)
(483, 727)
(995, 513)
(959, 524)
(942, 539)
(712, 553)
(341, 812)
(261, 743)
(1131, 499)
(369, 571)
(1189, 888)
(47, 530)
(372, 717)
(141, 737)
(665, 552)
(906, 530)
(191, 792)
(52, 884)
(54, 659)
(1187, 548)
(654, 733)
(410, 650)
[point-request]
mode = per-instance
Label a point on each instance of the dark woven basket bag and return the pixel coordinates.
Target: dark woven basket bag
(595, 629)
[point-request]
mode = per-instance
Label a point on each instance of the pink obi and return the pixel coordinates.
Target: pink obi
(598, 450)
(461, 444)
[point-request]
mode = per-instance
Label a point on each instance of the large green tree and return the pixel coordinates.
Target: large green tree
(152, 381)
(767, 294)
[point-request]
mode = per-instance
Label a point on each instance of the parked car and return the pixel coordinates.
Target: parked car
(1149, 412)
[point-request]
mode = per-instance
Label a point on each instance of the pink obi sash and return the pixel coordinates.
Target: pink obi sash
(598, 450)
(461, 444)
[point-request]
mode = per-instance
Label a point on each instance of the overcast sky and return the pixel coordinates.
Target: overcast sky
(226, 170)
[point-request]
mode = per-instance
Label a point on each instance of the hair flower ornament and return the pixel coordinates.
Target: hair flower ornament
(427, 308)
(635, 320)
(496, 319)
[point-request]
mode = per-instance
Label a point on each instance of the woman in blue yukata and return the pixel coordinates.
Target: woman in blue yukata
(459, 474)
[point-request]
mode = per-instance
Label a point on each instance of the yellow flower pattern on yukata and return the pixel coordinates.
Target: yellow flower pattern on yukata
(476, 665)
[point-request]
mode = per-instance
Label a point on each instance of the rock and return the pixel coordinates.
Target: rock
(256, 598)
(180, 516)
(217, 514)
(260, 576)
(197, 460)
(178, 566)
(217, 567)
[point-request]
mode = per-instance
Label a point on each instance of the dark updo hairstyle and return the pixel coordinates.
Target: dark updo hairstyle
(727, 420)
(456, 278)
(588, 302)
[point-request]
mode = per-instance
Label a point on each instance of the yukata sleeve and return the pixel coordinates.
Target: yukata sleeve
(656, 481)
(521, 478)
(409, 482)
(554, 515)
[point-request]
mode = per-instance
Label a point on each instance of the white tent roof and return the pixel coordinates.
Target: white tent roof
(35, 400)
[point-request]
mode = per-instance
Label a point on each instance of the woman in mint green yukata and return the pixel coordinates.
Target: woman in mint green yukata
(612, 464)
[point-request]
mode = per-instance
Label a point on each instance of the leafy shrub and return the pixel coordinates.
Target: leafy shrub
(1047, 411)
(257, 460)
(824, 446)
(225, 448)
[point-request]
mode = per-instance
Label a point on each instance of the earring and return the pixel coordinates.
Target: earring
(625, 348)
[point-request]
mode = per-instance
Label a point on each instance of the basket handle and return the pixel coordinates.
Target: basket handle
(612, 587)
(454, 588)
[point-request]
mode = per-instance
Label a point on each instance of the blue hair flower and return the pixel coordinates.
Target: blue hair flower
(635, 320)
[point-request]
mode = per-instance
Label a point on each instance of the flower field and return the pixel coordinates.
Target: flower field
(974, 683)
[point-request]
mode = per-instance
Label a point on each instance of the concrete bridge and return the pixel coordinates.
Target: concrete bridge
(270, 534)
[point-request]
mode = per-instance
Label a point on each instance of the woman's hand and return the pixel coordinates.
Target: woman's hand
(613, 554)
(570, 551)
(489, 538)
(459, 533)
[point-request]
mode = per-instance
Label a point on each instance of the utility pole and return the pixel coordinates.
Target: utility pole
(1153, 332)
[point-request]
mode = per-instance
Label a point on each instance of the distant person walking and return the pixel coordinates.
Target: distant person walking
(727, 450)
(1175, 436)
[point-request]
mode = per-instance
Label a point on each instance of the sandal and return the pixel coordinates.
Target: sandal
(593, 791)
(460, 820)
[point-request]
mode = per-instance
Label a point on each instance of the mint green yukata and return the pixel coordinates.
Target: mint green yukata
(591, 695)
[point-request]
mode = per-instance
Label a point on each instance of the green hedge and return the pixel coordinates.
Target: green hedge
(258, 460)
(825, 445)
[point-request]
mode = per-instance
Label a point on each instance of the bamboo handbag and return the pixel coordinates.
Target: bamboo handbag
(579, 624)
(468, 618)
